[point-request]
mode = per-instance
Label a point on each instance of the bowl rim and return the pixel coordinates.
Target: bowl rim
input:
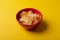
(26, 9)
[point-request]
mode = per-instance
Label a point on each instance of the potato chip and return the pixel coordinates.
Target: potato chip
(28, 18)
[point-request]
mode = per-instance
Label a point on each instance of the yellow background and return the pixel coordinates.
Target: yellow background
(11, 30)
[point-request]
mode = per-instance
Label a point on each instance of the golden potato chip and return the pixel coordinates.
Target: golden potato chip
(28, 17)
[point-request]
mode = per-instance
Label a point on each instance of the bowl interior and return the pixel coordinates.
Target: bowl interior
(28, 9)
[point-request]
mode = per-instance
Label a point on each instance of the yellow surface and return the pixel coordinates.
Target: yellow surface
(11, 30)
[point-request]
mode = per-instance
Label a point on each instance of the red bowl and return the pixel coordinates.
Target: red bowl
(34, 11)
